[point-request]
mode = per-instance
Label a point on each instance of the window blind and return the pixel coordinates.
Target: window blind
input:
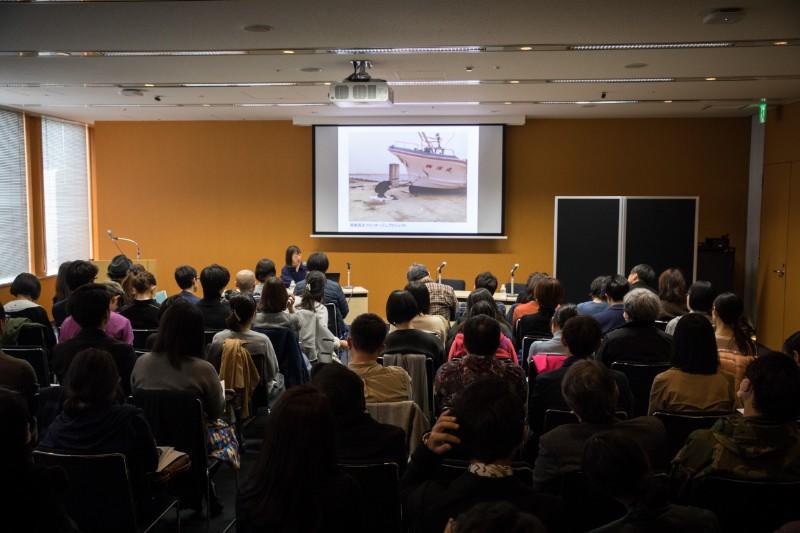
(14, 257)
(66, 192)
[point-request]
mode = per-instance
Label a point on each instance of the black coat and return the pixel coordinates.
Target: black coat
(122, 353)
(637, 342)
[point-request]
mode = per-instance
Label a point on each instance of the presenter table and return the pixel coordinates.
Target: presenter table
(357, 300)
(498, 296)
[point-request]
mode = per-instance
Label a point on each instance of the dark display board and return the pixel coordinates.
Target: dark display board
(587, 243)
(661, 233)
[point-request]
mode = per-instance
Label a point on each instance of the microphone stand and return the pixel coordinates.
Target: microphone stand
(136, 244)
(348, 286)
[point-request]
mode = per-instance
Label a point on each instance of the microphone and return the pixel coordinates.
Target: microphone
(514, 268)
(349, 267)
(440, 268)
(114, 240)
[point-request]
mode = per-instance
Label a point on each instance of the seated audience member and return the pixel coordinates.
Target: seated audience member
(672, 293)
(695, 382)
(791, 347)
(313, 316)
(76, 273)
(643, 276)
(381, 383)
(89, 306)
(296, 484)
(401, 309)
(31, 495)
(505, 349)
(487, 425)
(95, 418)
(17, 374)
(597, 293)
(186, 278)
(488, 281)
(276, 310)
(118, 268)
(554, 345)
(764, 444)
(177, 363)
(638, 340)
(736, 348)
(548, 294)
(424, 320)
(618, 466)
(213, 308)
(294, 270)
(581, 336)
(333, 293)
(443, 297)
(526, 302)
(495, 516)
(26, 290)
(265, 269)
(481, 338)
(239, 323)
(359, 437)
(480, 295)
(614, 315)
(591, 393)
(245, 282)
(61, 287)
(699, 299)
(143, 311)
(117, 327)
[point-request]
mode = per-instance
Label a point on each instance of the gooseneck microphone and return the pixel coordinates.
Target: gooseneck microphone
(513, 271)
(439, 270)
(115, 239)
(349, 268)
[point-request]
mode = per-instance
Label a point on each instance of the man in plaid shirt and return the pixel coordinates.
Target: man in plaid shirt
(443, 297)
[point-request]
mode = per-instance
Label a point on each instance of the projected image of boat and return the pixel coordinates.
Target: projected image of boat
(431, 167)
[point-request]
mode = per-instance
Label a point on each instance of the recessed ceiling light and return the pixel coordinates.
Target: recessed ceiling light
(513, 81)
(326, 83)
(422, 83)
(667, 101)
(149, 84)
(526, 48)
(258, 28)
(781, 43)
(288, 51)
(613, 80)
(636, 65)
(415, 50)
(468, 68)
(206, 105)
(507, 103)
(649, 46)
(311, 69)
(711, 78)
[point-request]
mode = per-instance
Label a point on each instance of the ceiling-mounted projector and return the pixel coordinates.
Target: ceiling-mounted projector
(360, 90)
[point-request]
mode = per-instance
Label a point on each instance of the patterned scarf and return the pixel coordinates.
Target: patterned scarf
(490, 470)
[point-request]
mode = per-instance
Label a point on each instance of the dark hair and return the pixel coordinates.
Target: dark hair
(344, 389)
(80, 273)
(730, 309)
(695, 345)
(486, 280)
(581, 335)
(792, 344)
(481, 335)
(89, 305)
(564, 313)
(180, 333)
(548, 293)
(491, 419)
(701, 296)
(15, 448)
(265, 268)
(62, 289)
(92, 381)
(317, 261)
(417, 272)
(290, 251)
(26, 284)
(243, 307)
(617, 287)
(530, 287)
(401, 307)
(646, 274)
(597, 289)
(367, 332)
(314, 291)
(775, 382)
(497, 516)
(119, 267)
(483, 295)
(421, 294)
(297, 461)
(143, 281)
(214, 278)
(185, 276)
(616, 464)
(672, 286)
(274, 297)
(590, 391)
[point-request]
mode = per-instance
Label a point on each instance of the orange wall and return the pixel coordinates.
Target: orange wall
(232, 192)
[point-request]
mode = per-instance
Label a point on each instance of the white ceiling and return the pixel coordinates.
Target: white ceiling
(56, 85)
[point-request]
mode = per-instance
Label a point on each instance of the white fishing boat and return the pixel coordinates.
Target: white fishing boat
(430, 166)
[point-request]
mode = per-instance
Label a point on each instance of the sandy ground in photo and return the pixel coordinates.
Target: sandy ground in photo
(402, 206)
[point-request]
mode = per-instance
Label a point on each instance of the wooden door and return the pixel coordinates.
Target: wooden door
(771, 288)
(791, 322)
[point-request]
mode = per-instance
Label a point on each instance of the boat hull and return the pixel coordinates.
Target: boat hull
(432, 171)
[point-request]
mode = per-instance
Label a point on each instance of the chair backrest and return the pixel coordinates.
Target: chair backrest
(140, 338)
(558, 417)
(680, 425)
(177, 419)
(333, 276)
(452, 468)
(380, 486)
(37, 357)
(640, 378)
(586, 505)
(457, 284)
(420, 368)
(291, 362)
(333, 319)
(748, 506)
(547, 362)
(33, 334)
(208, 336)
(405, 415)
(100, 497)
(661, 324)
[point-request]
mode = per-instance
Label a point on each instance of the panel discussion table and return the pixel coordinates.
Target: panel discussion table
(357, 300)
(505, 297)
